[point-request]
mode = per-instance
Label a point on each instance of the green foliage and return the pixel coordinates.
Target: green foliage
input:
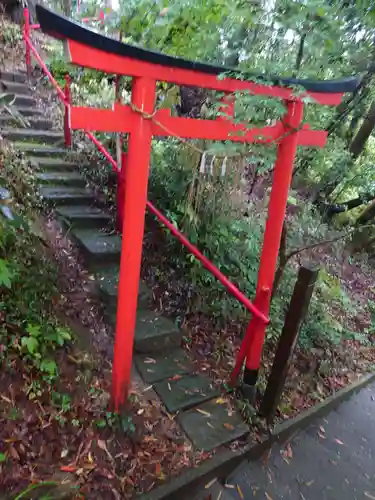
(116, 421)
(208, 220)
(5, 274)
(39, 344)
(6, 105)
(28, 328)
(10, 33)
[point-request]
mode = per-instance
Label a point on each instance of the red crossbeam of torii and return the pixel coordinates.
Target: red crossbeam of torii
(142, 122)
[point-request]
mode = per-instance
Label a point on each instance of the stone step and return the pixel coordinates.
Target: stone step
(182, 393)
(63, 178)
(49, 163)
(98, 248)
(32, 149)
(66, 195)
(32, 135)
(213, 424)
(108, 288)
(13, 77)
(84, 216)
(154, 333)
(29, 111)
(14, 87)
(159, 367)
(24, 100)
(7, 120)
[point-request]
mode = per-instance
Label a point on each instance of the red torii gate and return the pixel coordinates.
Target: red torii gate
(90, 49)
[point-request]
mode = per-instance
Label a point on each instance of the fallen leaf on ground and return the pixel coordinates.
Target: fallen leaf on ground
(13, 453)
(220, 401)
(68, 468)
(240, 492)
(102, 445)
(289, 451)
(148, 361)
(338, 441)
(159, 472)
(228, 426)
(206, 413)
(267, 496)
(208, 485)
(309, 483)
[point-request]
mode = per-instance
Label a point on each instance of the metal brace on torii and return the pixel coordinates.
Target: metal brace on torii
(140, 120)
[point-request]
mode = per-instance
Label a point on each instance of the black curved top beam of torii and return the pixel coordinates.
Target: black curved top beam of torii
(64, 28)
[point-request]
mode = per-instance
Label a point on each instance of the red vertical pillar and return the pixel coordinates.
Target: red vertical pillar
(135, 194)
(68, 102)
(26, 28)
(276, 214)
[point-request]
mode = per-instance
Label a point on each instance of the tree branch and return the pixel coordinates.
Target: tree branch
(286, 257)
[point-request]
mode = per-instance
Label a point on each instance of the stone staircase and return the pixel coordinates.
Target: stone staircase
(159, 357)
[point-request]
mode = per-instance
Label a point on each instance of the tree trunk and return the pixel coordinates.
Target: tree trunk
(367, 214)
(67, 7)
(192, 100)
(359, 142)
(300, 52)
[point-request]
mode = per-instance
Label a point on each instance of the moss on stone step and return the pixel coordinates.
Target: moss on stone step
(185, 392)
(8, 76)
(108, 288)
(29, 111)
(8, 120)
(24, 100)
(154, 333)
(83, 216)
(65, 178)
(49, 163)
(159, 367)
(33, 136)
(14, 87)
(63, 195)
(98, 247)
(32, 149)
(212, 424)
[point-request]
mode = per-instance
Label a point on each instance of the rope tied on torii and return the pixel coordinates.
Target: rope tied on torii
(271, 142)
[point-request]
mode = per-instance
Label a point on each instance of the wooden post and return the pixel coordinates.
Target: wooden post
(298, 307)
